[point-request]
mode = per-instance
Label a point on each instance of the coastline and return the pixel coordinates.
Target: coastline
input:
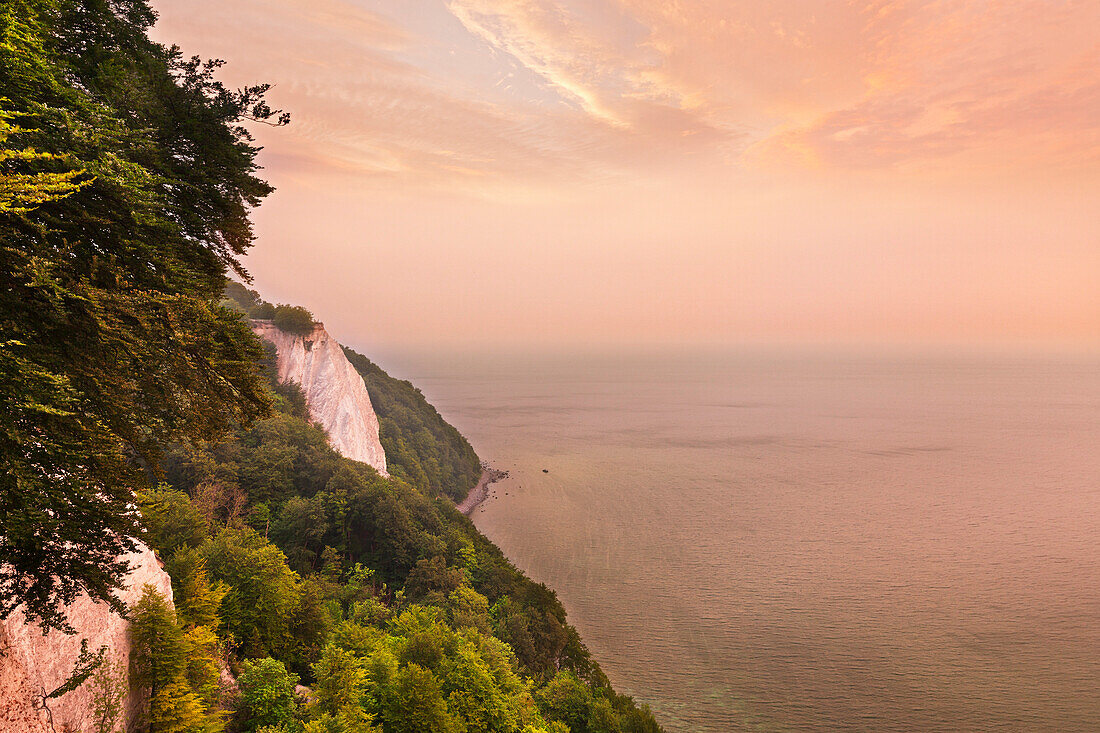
(480, 492)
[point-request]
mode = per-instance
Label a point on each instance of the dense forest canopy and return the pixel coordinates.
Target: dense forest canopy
(135, 402)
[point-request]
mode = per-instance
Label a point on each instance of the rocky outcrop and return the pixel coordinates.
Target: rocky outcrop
(335, 392)
(32, 664)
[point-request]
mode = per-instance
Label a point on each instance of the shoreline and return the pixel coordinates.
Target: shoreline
(480, 492)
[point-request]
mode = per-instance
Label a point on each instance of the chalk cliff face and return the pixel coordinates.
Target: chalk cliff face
(32, 664)
(335, 393)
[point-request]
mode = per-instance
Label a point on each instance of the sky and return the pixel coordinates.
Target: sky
(879, 173)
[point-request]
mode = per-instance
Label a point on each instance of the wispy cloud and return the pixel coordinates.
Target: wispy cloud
(995, 85)
(526, 90)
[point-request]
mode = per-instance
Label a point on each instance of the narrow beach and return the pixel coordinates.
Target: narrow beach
(480, 492)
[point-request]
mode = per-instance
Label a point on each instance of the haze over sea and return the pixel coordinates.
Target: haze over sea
(795, 542)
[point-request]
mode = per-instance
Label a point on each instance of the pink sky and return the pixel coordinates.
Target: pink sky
(881, 172)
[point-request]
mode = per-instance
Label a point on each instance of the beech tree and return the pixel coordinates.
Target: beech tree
(126, 181)
(417, 703)
(177, 668)
(267, 694)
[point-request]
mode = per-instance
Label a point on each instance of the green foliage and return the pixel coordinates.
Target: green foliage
(417, 703)
(108, 692)
(263, 592)
(421, 447)
(171, 521)
(126, 182)
(202, 670)
(264, 310)
(267, 695)
(416, 672)
(64, 494)
(158, 651)
(23, 192)
(567, 700)
(197, 599)
(176, 709)
(177, 667)
(87, 663)
(341, 680)
(468, 609)
(293, 319)
(250, 303)
(432, 581)
(289, 318)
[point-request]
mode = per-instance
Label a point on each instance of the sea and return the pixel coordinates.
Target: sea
(804, 541)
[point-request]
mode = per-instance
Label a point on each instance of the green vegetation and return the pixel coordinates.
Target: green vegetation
(389, 603)
(126, 179)
(178, 664)
(128, 380)
(421, 447)
(289, 318)
(293, 319)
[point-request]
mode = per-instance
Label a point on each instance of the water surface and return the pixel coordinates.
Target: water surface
(753, 542)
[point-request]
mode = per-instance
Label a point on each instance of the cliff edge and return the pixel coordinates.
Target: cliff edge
(32, 664)
(335, 393)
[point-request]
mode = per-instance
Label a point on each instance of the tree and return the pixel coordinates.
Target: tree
(108, 692)
(115, 244)
(267, 694)
(351, 719)
(468, 608)
(157, 647)
(300, 529)
(417, 704)
(263, 595)
(293, 319)
(63, 495)
(23, 192)
(197, 599)
(172, 522)
(566, 699)
(176, 709)
(161, 658)
(474, 696)
(602, 717)
(639, 720)
(432, 580)
(341, 680)
(203, 668)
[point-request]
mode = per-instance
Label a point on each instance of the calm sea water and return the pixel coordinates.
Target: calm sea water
(806, 543)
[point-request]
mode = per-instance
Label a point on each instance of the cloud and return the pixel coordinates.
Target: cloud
(995, 85)
(493, 94)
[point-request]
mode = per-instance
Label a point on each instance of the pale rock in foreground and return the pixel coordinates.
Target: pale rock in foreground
(32, 664)
(335, 393)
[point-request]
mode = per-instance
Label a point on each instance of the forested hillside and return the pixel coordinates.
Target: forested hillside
(127, 175)
(421, 447)
(343, 578)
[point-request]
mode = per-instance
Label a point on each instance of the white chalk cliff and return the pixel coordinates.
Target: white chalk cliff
(32, 664)
(335, 393)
